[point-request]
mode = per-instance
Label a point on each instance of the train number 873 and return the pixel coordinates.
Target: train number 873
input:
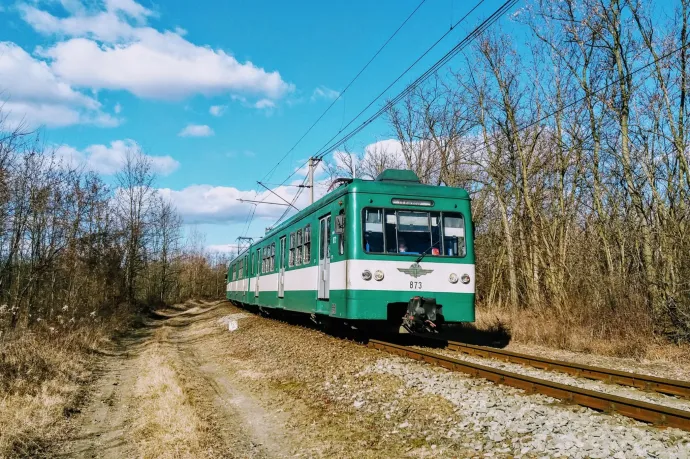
(415, 285)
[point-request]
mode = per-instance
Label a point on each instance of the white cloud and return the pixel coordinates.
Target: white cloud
(217, 110)
(196, 130)
(34, 94)
(322, 92)
(118, 108)
(112, 48)
(220, 204)
(108, 160)
(230, 249)
(389, 147)
(264, 104)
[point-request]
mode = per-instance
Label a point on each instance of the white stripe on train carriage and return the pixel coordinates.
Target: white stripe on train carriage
(394, 279)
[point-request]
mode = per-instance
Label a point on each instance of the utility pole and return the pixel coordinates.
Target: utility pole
(240, 239)
(311, 180)
(312, 165)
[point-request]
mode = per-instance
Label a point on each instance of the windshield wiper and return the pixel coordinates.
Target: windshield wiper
(421, 257)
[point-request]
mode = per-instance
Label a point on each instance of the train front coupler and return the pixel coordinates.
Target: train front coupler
(421, 315)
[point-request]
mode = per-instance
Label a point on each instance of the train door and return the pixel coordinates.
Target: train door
(281, 268)
(324, 257)
(258, 272)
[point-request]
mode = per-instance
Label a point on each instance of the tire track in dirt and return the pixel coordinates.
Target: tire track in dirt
(102, 426)
(129, 412)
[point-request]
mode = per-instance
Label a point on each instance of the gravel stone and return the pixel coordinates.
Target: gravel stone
(583, 383)
(532, 424)
(661, 368)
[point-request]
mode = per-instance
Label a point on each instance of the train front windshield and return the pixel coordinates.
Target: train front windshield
(413, 232)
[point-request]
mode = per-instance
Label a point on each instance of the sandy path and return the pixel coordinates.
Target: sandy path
(162, 395)
(102, 425)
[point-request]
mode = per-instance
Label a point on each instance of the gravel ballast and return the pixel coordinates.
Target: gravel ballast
(502, 420)
(343, 399)
(582, 383)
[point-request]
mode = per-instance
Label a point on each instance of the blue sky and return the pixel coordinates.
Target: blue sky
(214, 92)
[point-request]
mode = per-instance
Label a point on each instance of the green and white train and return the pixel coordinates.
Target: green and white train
(388, 252)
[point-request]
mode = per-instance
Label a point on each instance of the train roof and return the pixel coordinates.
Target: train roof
(398, 182)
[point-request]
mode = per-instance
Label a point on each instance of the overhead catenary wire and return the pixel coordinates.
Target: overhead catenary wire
(341, 93)
(329, 147)
(270, 172)
(321, 155)
(507, 5)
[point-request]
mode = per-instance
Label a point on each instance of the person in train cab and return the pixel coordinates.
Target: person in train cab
(435, 251)
(402, 247)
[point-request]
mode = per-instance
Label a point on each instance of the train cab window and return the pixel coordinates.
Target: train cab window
(454, 235)
(390, 230)
(373, 230)
(307, 244)
(412, 232)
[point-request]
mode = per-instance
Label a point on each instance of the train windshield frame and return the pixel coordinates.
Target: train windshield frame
(413, 232)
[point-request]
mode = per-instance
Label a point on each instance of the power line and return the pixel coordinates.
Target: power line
(576, 101)
(270, 172)
(507, 5)
(447, 57)
(323, 152)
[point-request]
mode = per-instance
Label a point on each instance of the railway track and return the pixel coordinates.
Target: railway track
(623, 378)
(642, 411)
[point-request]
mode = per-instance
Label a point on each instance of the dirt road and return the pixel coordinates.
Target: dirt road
(187, 386)
(162, 395)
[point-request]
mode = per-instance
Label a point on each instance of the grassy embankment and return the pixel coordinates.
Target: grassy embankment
(43, 377)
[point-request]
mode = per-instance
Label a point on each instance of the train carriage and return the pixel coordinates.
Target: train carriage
(383, 253)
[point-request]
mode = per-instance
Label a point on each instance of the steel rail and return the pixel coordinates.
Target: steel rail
(641, 411)
(624, 378)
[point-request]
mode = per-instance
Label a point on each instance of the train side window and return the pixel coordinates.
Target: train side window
(341, 238)
(307, 244)
(291, 262)
(273, 256)
(322, 238)
(373, 230)
(298, 253)
(328, 237)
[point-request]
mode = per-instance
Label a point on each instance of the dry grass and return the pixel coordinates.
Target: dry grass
(42, 376)
(166, 422)
(628, 333)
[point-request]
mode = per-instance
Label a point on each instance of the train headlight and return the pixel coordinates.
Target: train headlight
(453, 278)
(465, 278)
(366, 275)
(378, 275)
